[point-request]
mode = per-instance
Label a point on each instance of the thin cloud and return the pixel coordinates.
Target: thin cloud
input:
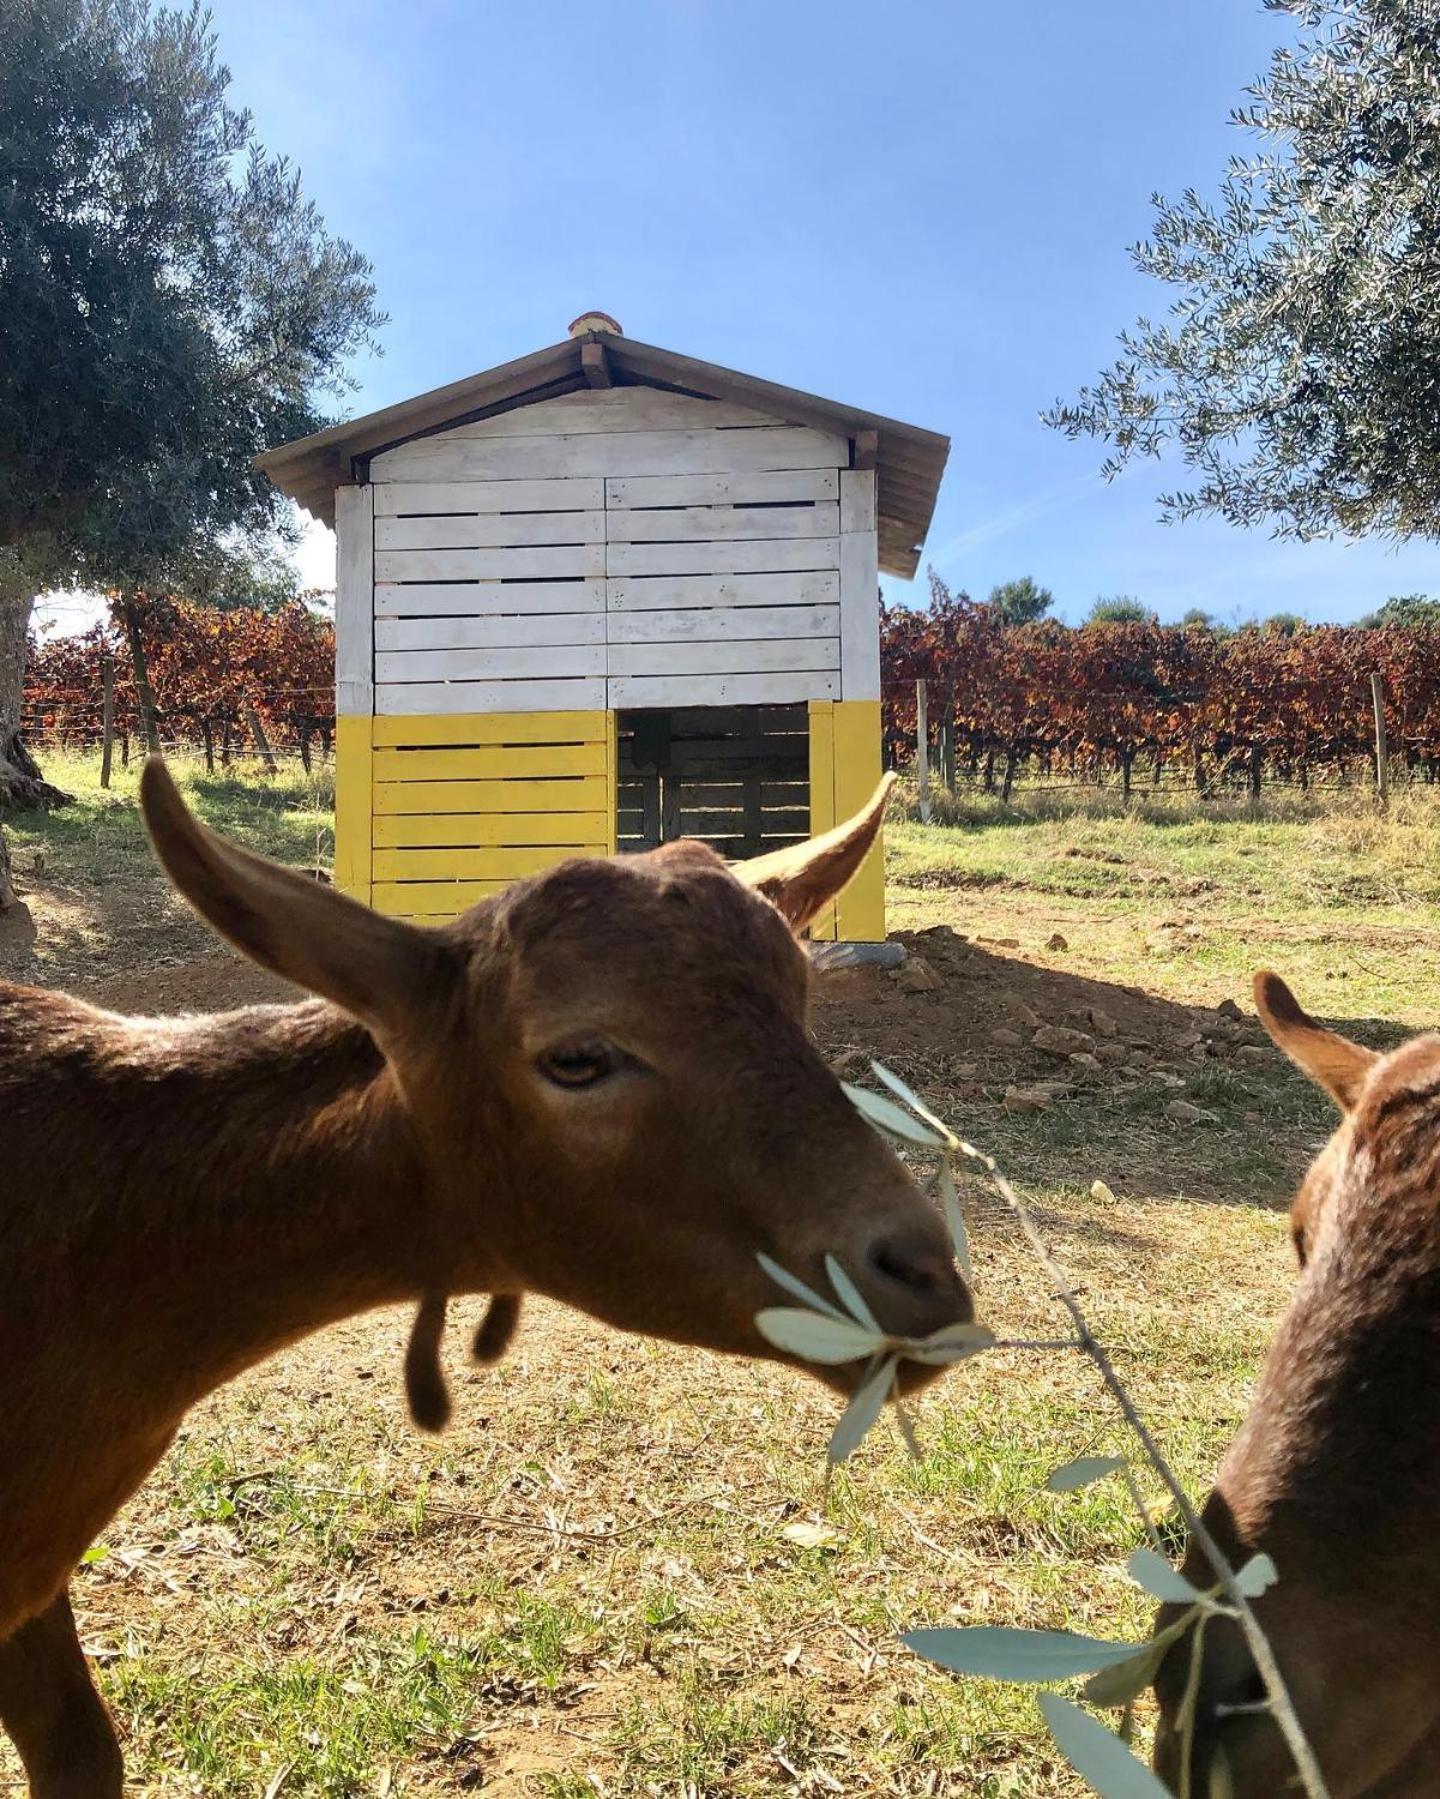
(1040, 505)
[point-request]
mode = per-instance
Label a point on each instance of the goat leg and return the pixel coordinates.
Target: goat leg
(53, 1714)
(497, 1328)
(425, 1389)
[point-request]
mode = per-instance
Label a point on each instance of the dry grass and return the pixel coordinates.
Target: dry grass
(588, 1585)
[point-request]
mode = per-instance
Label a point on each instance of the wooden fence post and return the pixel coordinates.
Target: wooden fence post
(922, 749)
(1382, 761)
(107, 715)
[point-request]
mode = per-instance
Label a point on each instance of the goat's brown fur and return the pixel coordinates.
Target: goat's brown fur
(1336, 1469)
(184, 1197)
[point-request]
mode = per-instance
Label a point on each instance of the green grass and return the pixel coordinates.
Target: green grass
(586, 1586)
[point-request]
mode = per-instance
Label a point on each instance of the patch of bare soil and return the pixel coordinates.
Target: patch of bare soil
(966, 1018)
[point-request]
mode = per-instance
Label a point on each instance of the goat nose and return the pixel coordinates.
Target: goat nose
(915, 1284)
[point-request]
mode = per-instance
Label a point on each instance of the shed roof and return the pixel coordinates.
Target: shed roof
(908, 461)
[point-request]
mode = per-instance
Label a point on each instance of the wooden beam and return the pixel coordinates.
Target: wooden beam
(595, 365)
(867, 449)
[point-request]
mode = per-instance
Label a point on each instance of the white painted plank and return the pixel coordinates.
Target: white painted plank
(478, 599)
(578, 494)
(721, 690)
(354, 600)
(530, 629)
(762, 657)
(527, 662)
(819, 587)
(491, 696)
(772, 555)
(702, 624)
(539, 562)
(702, 524)
(745, 488)
(613, 409)
(857, 500)
(859, 590)
(610, 453)
(490, 530)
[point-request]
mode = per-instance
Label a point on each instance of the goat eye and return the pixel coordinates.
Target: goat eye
(583, 1064)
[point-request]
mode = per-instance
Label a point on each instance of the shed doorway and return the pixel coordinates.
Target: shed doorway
(736, 777)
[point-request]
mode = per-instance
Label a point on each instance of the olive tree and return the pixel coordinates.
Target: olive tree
(1298, 371)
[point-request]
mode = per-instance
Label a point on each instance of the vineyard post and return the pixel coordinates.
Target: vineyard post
(1382, 764)
(922, 748)
(262, 742)
(107, 715)
(947, 749)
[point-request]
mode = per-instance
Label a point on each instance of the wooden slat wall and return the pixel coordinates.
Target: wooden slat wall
(617, 547)
(463, 805)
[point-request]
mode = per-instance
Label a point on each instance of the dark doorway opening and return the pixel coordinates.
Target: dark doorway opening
(738, 777)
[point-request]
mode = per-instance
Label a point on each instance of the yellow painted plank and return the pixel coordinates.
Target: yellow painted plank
(470, 830)
(472, 865)
(491, 727)
(352, 805)
(588, 793)
(822, 794)
(612, 783)
(497, 762)
(432, 900)
(857, 773)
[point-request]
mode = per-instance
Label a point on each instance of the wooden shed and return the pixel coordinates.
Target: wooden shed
(598, 598)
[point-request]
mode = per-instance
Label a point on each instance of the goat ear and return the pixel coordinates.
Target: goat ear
(374, 967)
(1332, 1061)
(801, 880)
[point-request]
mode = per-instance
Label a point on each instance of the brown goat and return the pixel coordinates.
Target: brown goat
(1336, 1470)
(597, 1086)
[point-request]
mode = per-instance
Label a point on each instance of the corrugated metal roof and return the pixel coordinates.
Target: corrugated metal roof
(909, 461)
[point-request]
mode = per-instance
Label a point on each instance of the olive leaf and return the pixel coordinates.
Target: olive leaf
(862, 1411)
(1084, 1471)
(1257, 1576)
(886, 1116)
(954, 1217)
(794, 1286)
(815, 1337)
(1159, 1579)
(912, 1099)
(1006, 1652)
(1126, 1681)
(1094, 1752)
(951, 1343)
(849, 1294)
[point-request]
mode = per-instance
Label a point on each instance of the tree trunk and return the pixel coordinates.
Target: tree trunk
(21, 783)
(7, 889)
(144, 692)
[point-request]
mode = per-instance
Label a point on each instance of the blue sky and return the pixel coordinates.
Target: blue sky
(920, 209)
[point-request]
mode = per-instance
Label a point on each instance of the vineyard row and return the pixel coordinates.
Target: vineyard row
(1114, 700)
